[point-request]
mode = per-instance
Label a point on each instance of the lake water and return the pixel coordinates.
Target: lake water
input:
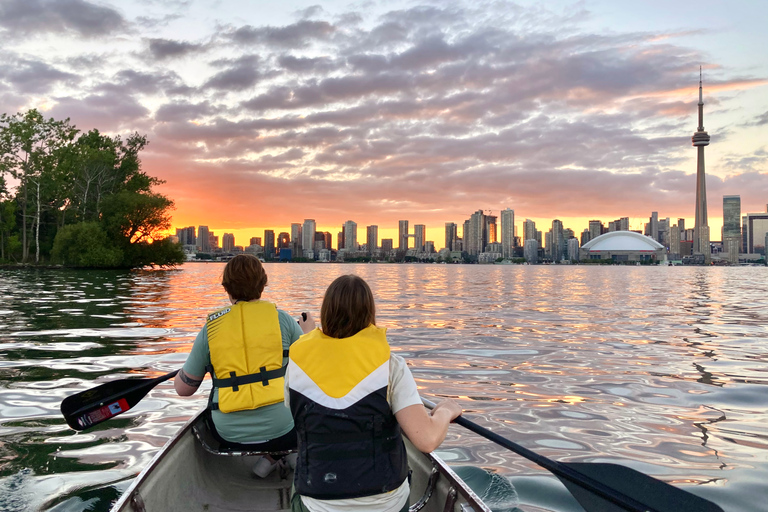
(662, 369)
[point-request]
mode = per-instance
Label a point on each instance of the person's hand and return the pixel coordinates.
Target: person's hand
(448, 407)
(306, 322)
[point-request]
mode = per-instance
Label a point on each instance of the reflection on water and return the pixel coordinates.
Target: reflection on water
(660, 369)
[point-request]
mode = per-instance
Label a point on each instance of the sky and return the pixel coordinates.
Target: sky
(261, 114)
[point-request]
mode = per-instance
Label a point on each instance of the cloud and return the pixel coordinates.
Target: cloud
(296, 35)
(240, 74)
(760, 120)
(80, 17)
(163, 49)
(34, 76)
(102, 111)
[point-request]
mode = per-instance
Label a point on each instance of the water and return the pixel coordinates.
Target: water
(662, 369)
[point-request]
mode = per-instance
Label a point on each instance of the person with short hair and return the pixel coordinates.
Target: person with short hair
(351, 400)
(244, 347)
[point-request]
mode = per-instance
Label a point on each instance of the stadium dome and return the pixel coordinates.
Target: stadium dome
(623, 246)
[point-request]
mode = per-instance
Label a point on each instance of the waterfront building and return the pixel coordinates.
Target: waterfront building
(269, 244)
(654, 226)
(529, 230)
(402, 234)
(491, 230)
(674, 243)
(327, 239)
(475, 234)
(595, 229)
(429, 247)
(585, 236)
(700, 140)
(341, 238)
(681, 227)
(451, 235)
(283, 240)
(186, 235)
(623, 246)
(228, 242)
(255, 240)
(573, 249)
(757, 227)
(531, 251)
(548, 244)
(386, 245)
(319, 244)
(558, 240)
(213, 241)
(419, 237)
(308, 237)
(350, 235)
(296, 240)
(372, 239)
(203, 239)
(507, 233)
(732, 240)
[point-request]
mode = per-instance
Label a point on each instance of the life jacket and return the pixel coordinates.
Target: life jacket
(349, 442)
(246, 348)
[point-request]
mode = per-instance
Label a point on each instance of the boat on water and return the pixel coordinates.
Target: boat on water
(192, 473)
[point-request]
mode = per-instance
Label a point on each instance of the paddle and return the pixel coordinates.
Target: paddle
(90, 407)
(604, 487)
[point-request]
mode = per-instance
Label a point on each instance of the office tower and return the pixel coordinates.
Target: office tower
(538, 238)
(283, 240)
(464, 235)
(429, 247)
(613, 225)
(585, 236)
(228, 242)
(700, 140)
(350, 235)
(186, 235)
(558, 240)
(419, 236)
(529, 230)
(548, 244)
(203, 239)
(308, 235)
(568, 234)
(681, 227)
(573, 249)
(386, 245)
(475, 237)
(531, 250)
(663, 232)
(403, 235)
(623, 224)
(490, 230)
(756, 227)
(507, 233)
(269, 244)
(213, 241)
(451, 235)
(255, 240)
(653, 227)
(319, 242)
(732, 240)
(296, 239)
(674, 241)
(595, 229)
(372, 238)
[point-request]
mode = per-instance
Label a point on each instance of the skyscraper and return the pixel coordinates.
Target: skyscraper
(507, 233)
(308, 235)
(558, 241)
(529, 230)
(228, 242)
(203, 239)
(451, 235)
(296, 238)
(269, 244)
(372, 238)
(700, 140)
(489, 236)
(403, 235)
(419, 236)
(283, 240)
(350, 235)
(475, 237)
(595, 229)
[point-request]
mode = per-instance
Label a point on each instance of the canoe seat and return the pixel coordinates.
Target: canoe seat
(212, 445)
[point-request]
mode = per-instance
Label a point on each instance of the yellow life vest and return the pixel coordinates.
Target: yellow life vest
(246, 348)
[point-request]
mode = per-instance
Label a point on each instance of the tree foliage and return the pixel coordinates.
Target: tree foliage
(73, 190)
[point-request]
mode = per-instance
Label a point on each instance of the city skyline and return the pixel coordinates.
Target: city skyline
(260, 117)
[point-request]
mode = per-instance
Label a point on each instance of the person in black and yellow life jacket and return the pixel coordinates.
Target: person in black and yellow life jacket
(351, 400)
(245, 347)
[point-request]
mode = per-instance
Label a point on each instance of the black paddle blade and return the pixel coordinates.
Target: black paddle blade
(653, 494)
(93, 406)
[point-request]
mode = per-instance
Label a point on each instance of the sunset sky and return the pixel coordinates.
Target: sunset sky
(263, 113)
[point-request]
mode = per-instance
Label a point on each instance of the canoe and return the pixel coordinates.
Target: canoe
(190, 473)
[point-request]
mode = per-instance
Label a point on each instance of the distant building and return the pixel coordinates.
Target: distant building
(372, 239)
(386, 245)
(531, 251)
(623, 246)
(203, 239)
(186, 235)
(507, 233)
(757, 227)
(429, 247)
(350, 236)
(732, 240)
(451, 235)
(595, 230)
(228, 242)
(474, 238)
(308, 237)
(269, 244)
(283, 241)
(573, 249)
(491, 230)
(296, 247)
(255, 240)
(403, 235)
(529, 230)
(558, 240)
(419, 236)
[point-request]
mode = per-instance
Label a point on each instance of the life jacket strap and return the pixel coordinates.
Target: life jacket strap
(263, 376)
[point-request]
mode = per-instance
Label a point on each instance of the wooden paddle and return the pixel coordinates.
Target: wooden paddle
(93, 406)
(604, 487)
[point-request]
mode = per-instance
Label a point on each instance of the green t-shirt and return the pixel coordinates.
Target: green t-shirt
(262, 424)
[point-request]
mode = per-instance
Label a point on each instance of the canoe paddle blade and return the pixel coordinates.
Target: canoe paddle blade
(651, 493)
(93, 406)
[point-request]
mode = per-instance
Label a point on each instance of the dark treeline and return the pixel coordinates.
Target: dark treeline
(78, 198)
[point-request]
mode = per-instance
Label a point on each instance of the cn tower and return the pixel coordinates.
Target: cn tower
(700, 139)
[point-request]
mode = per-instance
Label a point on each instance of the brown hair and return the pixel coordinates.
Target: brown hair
(347, 308)
(244, 277)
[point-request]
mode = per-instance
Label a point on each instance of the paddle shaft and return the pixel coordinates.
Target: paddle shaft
(557, 468)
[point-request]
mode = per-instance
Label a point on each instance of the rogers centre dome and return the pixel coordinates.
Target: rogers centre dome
(623, 246)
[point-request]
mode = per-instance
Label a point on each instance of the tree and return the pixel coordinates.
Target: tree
(85, 245)
(30, 145)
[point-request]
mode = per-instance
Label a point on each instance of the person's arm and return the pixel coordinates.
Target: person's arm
(427, 430)
(307, 324)
(186, 384)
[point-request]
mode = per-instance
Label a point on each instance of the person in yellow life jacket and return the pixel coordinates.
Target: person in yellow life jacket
(244, 347)
(350, 423)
